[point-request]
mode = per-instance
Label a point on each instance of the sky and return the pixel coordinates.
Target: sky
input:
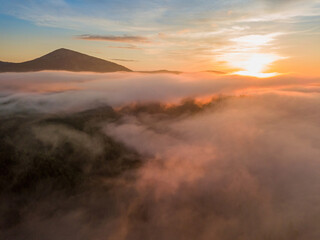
(261, 38)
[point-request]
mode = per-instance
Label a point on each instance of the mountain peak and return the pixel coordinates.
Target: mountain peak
(65, 60)
(63, 50)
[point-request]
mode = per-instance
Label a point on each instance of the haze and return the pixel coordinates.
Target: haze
(162, 120)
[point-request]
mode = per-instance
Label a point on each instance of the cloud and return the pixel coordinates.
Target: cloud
(126, 47)
(54, 91)
(239, 160)
(110, 38)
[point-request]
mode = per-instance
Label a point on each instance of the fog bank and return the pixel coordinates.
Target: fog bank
(137, 156)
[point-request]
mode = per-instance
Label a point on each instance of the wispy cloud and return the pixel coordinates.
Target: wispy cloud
(133, 47)
(113, 38)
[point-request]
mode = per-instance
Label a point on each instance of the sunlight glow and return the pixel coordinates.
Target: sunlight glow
(256, 64)
(254, 40)
(258, 75)
(248, 54)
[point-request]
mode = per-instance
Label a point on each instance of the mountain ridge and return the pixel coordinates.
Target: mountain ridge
(65, 60)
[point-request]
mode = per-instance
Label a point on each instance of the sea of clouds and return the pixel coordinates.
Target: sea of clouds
(245, 165)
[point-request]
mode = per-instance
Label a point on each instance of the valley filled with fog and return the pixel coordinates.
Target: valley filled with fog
(159, 156)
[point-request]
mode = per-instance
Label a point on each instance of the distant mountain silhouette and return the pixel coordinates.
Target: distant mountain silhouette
(63, 59)
(214, 71)
(160, 71)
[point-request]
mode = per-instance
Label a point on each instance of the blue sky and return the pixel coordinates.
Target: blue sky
(198, 33)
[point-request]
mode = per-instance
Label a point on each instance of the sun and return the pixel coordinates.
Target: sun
(251, 55)
(256, 64)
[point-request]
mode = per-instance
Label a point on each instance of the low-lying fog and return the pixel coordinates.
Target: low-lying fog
(140, 156)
